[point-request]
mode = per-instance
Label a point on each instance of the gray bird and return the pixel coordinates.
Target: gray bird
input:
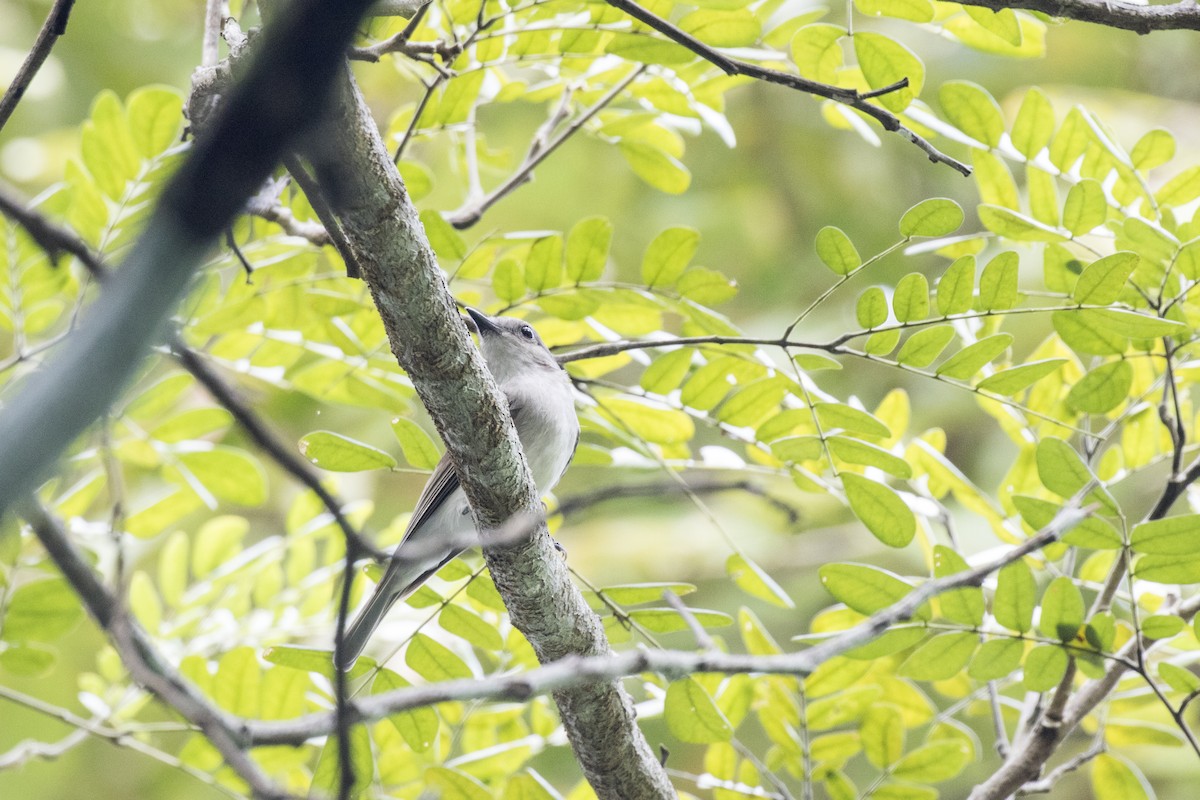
(542, 405)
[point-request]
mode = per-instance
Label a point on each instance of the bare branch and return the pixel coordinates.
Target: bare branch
(848, 97)
(54, 27)
(1136, 17)
(573, 671)
(210, 52)
(539, 151)
(145, 664)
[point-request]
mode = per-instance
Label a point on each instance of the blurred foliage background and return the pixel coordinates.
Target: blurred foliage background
(758, 206)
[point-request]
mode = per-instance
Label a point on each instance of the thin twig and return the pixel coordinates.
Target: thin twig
(145, 664)
(539, 151)
(54, 27)
(848, 97)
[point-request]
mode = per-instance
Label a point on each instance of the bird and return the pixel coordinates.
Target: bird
(542, 404)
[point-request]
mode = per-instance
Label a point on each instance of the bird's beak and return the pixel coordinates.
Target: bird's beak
(483, 324)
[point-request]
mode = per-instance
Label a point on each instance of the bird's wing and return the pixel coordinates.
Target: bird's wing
(438, 488)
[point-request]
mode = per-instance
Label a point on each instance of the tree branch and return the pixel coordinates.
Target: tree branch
(1184, 15)
(145, 664)
(54, 27)
(574, 671)
(432, 344)
(847, 97)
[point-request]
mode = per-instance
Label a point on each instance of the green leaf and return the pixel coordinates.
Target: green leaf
(668, 255)
(1092, 532)
(940, 658)
(1018, 227)
(1114, 778)
(238, 682)
(723, 28)
(883, 62)
(1085, 208)
(855, 451)
(1178, 678)
(1102, 389)
(653, 165)
(884, 513)
(445, 241)
(817, 52)
(1172, 536)
(995, 181)
(850, 419)
(27, 660)
(964, 606)
(229, 474)
(327, 775)
(1063, 472)
(336, 453)
(1008, 382)
(998, 283)
(913, 10)
(155, 115)
(470, 626)
(633, 594)
(1062, 610)
(1168, 569)
(973, 111)
(910, 301)
(865, 589)
(836, 251)
(956, 287)
(192, 424)
(667, 371)
(748, 405)
(419, 450)
(652, 423)
(708, 287)
(923, 347)
(418, 726)
(1101, 631)
(40, 611)
(543, 266)
(218, 540)
(798, 448)
(1044, 667)
(1103, 280)
(1002, 23)
(508, 280)
(1034, 124)
(966, 362)
(1154, 149)
(587, 249)
(1016, 597)
(882, 735)
(1182, 189)
(1187, 261)
(996, 659)
(144, 601)
(691, 714)
(754, 580)
(450, 784)
(937, 216)
(882, 343)
(668, 620)
(1132, 324)
(814, 362)
(871, 308)
(1087, 334)
(173, 568)
(933, 762)
(1162, 626)
(433, 661)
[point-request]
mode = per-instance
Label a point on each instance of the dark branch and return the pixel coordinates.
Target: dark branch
(54, 27)
(1138, 18)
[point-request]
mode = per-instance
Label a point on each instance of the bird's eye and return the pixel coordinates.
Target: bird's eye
(527, 332)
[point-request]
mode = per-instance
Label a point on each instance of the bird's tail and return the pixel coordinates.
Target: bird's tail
(400, 581)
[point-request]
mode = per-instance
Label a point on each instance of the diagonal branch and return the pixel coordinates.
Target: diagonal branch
(145, 664)
(848, 97)
(1136, 17)
(54, 27)
(574, 671)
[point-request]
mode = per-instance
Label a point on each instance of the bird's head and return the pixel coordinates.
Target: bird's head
(511, 347)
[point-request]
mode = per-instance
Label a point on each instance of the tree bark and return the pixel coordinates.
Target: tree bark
(431, 342)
